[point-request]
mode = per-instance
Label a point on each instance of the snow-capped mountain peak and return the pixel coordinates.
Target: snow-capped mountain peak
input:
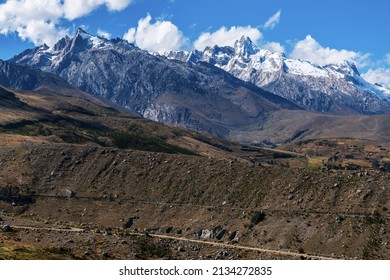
(45, 57)
(61, 43)
(343, 69)
(304, 68)
(84, 39)
(328, 88)
(245, 47)
(337, 88)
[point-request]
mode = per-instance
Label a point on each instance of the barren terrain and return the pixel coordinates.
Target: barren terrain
(84, 181)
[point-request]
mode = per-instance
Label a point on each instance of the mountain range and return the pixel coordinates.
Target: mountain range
(336, 88)
(199, 96)
(244, 93)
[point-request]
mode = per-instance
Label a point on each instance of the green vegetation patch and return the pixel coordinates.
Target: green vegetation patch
(208, 141)
(81, 133)
(30, 253)
(147, 249)
(256, 218)
(126, 140)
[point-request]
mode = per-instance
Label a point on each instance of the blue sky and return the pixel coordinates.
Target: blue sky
(321, 31)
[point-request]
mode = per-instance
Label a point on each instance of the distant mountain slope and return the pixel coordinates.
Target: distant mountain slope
(60, 119)
(27, 78)
(200, 97)
(288, 126)
(331, 88)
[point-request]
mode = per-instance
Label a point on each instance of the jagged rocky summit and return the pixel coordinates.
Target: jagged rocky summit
(336, 88)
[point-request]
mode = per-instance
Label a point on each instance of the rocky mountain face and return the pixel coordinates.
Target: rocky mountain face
(26, 78)
(330, 88)
(199, 96)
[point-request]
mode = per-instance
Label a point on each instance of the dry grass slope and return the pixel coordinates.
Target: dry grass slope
(69, 163)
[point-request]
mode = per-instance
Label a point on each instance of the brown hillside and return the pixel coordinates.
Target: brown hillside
(80, 180)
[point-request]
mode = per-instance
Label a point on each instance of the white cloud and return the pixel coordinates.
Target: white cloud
(130, 35)
(311, 50)
(273, 21)
(160, 36)
(117, 5)
(273, 47)
(387, 58)
(40, 32)
(380, 75)
(75, 8)
(33, 20)
(38, 20)
(103, 34)
(226, 37)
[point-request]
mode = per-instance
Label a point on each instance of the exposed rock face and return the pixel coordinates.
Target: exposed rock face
(7, 228)
(331, 88)
(70, 193)
(26, 78)
(200, 97)
(205, 234)
(130, 222)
